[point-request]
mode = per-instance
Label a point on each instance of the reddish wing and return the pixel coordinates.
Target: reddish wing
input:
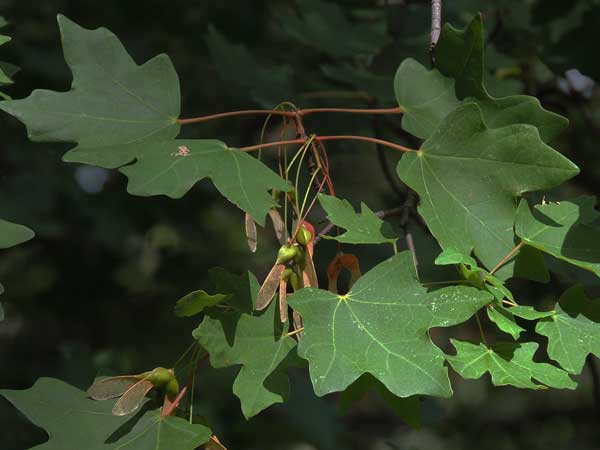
(132, 398)
(112, 387)
(309, 274)
(283, 309)
(269, 287)
(279, 226)
(251, 236)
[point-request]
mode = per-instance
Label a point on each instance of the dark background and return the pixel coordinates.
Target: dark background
(94, 290)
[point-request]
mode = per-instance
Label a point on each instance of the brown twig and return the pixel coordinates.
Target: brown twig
(300, 112)
(507, 257)
(348, 137)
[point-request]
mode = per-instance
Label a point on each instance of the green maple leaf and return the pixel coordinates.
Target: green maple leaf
(426, 96)
(197, 301)
(363, 228)
(118, 112)
(172, 167)
(569, 230)
(381, 327)
(508, 364)
(238, 291)
(257, 342)
(573, 331)
(74, 421)
(505, 320)
(112, 100)
(529, 312)
(467, 176)
(504, 317)
(459, 54)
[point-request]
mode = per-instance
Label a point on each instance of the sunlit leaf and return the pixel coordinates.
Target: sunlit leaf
(363, 228)
(467, 176)
(195, 302)
(573, 331)
(508, 364)
(380, 327)
(569, 230)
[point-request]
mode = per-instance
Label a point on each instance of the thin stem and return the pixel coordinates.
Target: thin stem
(508, 302)
(396, 110)
(507, 257)
(192, 345)
(314, 175)
(245, 112)
(301, 112)
(366, 139)
(296, 331)
(330, 138)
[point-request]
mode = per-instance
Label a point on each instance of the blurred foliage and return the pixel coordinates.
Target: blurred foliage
(94, 291)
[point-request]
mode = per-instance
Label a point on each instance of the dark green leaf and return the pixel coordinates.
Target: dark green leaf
(467, 176)
(508, 364)
(504, 319)
(363, 228)
(259, 344)
(74, 421)
(573, 331)
(242, 289)
(113, 101)
(380, 327)
(569, 230)
(118, 112)
(426, 96)
(195, 302)
(460, 55)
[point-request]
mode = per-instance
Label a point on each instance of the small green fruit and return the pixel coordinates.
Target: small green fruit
(304, 236)
(160, 376)
(286, 254)
(300, 257)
